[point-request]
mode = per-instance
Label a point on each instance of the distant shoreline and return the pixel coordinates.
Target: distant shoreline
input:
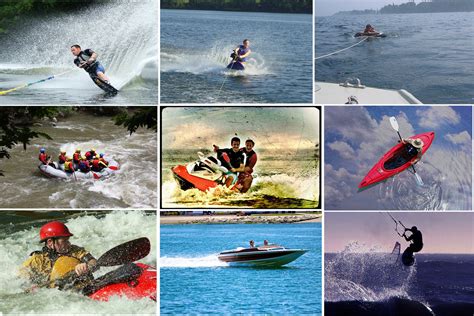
(235, 10)
(234, 219)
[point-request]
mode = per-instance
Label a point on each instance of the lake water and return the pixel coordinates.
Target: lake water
(194, 281)
(195, 49)
(430, 55)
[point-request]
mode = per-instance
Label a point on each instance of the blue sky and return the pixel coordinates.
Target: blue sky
(356, 137)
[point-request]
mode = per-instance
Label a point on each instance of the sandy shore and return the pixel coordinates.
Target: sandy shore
(234, 219)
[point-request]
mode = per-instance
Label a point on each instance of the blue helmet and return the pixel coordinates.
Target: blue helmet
(101, 155)
(42, 150)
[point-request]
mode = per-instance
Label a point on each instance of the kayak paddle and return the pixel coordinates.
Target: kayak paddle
(127, 252)
(394, 123)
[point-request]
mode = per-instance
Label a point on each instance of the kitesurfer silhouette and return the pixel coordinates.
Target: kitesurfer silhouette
(416, 244)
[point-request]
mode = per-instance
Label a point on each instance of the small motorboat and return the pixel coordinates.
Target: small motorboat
(271, 255)
(202, 174)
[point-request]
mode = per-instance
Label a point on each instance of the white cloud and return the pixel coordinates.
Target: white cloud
(437, 116)
(344, 149)
(459, 139)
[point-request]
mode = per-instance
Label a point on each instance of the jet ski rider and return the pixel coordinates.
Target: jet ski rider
(414, 148)
(232, 159)
(245, 177)
(57, 259)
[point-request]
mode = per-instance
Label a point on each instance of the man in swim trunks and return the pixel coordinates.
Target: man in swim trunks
(87, 59)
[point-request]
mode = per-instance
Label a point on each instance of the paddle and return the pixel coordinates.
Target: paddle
(127, 252)
(394, 123)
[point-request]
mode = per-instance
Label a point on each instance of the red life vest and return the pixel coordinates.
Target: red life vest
(43, 158)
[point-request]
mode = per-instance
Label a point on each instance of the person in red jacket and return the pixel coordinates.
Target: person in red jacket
(62, 157)
(77, 156)
(43, 157)
(245, 178)
(96, 164)
(90, 155)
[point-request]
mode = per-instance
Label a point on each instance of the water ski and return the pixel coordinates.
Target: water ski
(107, 87)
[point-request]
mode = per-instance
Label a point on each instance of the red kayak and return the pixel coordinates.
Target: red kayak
(394, 161)
(143, 287)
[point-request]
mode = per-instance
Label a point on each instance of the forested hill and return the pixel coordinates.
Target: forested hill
(281, 6)
(431, 7)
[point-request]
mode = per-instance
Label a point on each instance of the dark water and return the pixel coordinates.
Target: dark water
(195, 49)
(430, 55)
(442, 282)
(193, 280)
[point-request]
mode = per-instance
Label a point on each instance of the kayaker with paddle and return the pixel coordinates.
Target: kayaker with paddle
(414, 148)
(58, 258)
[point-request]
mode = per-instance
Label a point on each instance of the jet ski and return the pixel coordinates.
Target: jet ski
(271, 255)
(203, 174)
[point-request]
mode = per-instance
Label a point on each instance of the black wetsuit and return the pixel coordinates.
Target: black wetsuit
(236, 158)
(417, 241)
(84, 57)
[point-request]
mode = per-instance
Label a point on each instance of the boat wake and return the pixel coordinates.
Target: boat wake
(364, 281)
(277, 191)
(212, 61)
(198, 262)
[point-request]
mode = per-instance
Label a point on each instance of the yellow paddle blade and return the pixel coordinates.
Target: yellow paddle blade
(62, 267)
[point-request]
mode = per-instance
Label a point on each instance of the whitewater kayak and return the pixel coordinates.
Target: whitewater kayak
(58, 171)
(144, 286)
(377, 34)
(394, 161)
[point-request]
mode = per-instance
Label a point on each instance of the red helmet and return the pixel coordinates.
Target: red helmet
(53, 230)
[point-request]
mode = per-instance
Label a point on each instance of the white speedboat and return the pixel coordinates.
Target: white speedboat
(272, 255)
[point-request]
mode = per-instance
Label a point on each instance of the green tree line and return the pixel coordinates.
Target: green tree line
(282, 6)
(12, 10)
(431, 7)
